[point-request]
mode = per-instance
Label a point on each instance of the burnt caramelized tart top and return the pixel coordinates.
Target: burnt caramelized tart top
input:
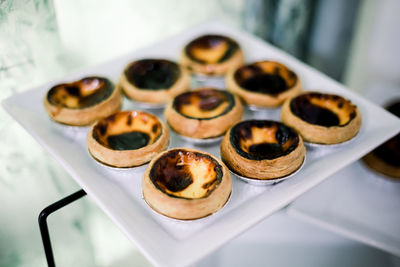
(321, 118)
(265, 77)
(154, 81)
(127, 130)
(262, 150)
(127, 139)
(323, 109)
(153, 74)
(211, 49)
(80, 94)
(186, 184)
(204, 104)
(82, 102)
(264, 84)
(186, 174)
(203, 114)
(263, 139)
(212, 54)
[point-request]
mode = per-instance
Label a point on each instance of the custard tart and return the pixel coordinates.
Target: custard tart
(127, 139)
(186, 184)
(322, 118)
(385, 159)
(203, 113)
(263, 84)
(82, 102)
(154, 81)
(212, 55)
(262, 149)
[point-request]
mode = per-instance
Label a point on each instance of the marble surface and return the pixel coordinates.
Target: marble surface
(42, 40)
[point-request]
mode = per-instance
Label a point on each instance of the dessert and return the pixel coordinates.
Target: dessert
(264, 83)
(385, 159)
(262, 149)
(186, 184)
(322, 118)
(154, 81)
(127, 139)
(82, 102)
(212, 55)
(203, 113)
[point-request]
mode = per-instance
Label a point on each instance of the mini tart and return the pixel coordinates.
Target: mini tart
(322, 118)
(127, 139)
(212, 55)
(204, 113)
(385, 159)
(264, 83)
(262, 149)
(186, 184)
(82, 102)
(154, 81)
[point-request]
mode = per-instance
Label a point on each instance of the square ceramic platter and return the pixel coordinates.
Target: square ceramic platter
(356, 201)
(167, 242)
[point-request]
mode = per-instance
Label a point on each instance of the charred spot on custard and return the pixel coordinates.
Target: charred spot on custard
(274, 139)
(153, 74)
(80, 94)
(206, 44)
(172, 174)
(154, 128)
(265, 77)
(128, 141)
(323, 114)
(207, 100)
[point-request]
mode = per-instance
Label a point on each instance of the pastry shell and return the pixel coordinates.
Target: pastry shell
(347, 113)
(236, 78)
(203, 55)
(236, 145)
(155, 96)
(126, 122)
(204, 127)
(81, 116)
(210, 197)
(379, 165)
(385, 159)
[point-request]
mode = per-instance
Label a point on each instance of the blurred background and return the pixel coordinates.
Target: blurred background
(353, 41)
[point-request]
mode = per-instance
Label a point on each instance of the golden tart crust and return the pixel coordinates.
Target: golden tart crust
(212, 55)
(82, 102)
(186, 184)
(381, 166)
(127, 139)
(263, 83)
(203, 113)
(322, 118)
(385, 159)
(154, 81)
(262, 149)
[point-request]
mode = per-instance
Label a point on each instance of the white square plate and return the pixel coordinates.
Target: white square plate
(166, 242)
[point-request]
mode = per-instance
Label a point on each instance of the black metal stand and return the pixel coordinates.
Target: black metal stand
(44, 230)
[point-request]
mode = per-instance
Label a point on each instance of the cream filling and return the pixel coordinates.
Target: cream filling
(202, 174)
(195, 111)
(342, 113)
(210, 55)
